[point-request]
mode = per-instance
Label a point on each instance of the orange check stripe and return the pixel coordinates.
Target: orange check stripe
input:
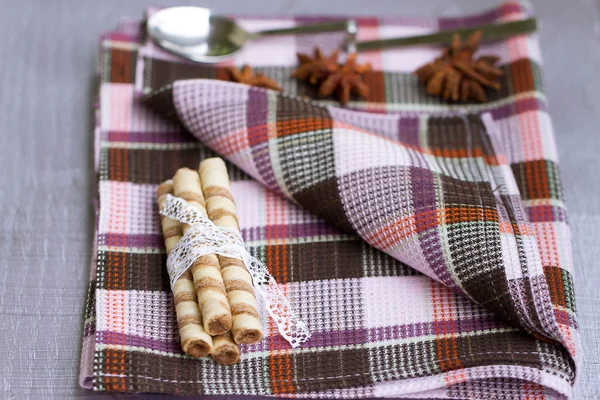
(302, 125)
(280, 364)
(426, 220)
(115, 365)
(446, 346)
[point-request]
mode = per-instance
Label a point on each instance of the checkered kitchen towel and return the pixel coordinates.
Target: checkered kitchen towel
(425, 245)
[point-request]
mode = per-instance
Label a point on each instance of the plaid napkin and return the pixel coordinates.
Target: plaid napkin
(425, 245)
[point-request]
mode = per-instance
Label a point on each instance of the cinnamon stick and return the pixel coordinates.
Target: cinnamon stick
(210, 289)
(220, 205)
(194, 340)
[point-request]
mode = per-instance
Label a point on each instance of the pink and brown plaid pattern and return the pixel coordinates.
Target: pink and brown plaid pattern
(475, 205)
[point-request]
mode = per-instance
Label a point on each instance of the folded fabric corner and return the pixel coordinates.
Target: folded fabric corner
(436, 191)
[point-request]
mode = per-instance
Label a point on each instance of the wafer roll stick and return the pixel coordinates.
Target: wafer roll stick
(194, 339)
(225, 350)
(220, 205)
(212, 297)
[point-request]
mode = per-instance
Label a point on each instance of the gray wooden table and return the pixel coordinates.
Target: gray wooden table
(47, 61)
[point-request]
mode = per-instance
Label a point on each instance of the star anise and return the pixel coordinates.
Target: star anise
(347, 79)
(317, 68)
(457, 76)
(246, 76)
(341, 79)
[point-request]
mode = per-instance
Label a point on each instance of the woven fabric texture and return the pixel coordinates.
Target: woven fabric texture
(425, 245)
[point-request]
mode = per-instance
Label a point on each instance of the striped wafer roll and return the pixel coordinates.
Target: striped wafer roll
(194, 339)
(220, 205)
(212, 297)
(225, 350)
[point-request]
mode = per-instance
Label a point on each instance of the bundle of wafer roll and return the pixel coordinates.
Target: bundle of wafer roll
(214, 299)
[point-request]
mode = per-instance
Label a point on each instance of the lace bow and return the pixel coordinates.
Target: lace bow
(204, 237)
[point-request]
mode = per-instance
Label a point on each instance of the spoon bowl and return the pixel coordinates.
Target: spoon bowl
(196, 33)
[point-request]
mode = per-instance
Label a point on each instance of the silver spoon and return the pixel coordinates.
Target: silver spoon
(198, 35)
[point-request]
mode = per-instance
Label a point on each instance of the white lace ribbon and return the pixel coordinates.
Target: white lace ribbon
(204, 237)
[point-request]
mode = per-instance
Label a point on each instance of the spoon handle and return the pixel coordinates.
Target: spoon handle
(489, 32)
(335, 26)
